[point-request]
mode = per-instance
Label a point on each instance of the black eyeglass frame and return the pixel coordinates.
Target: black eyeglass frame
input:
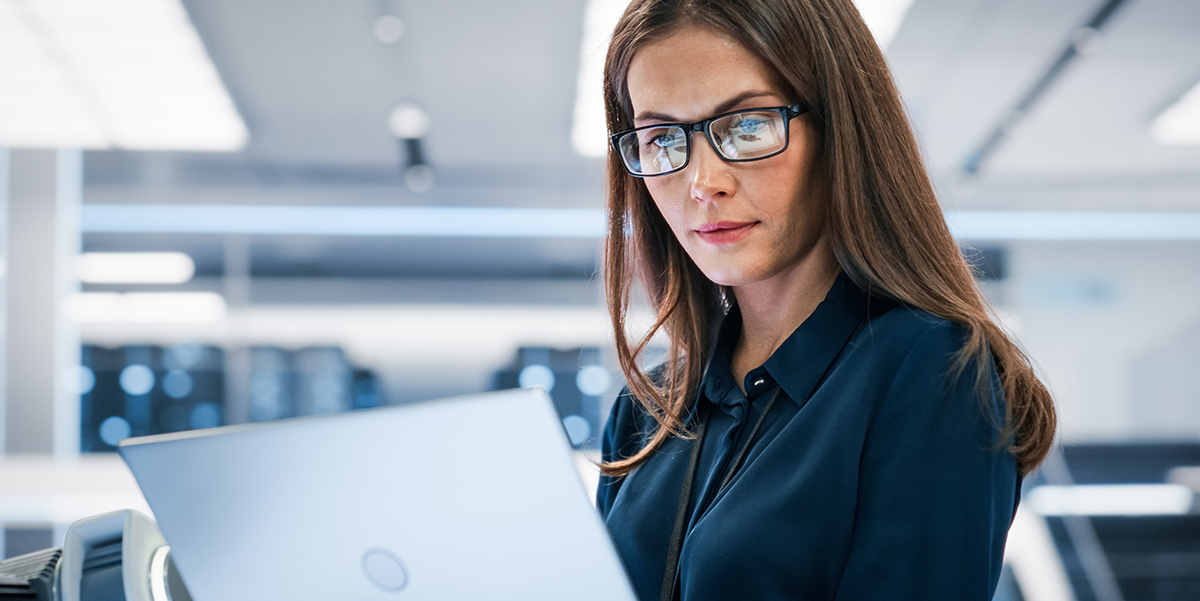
(788, 112)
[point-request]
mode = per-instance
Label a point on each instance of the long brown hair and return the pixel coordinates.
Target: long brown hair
(883, 218)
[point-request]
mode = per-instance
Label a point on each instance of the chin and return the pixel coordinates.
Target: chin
(726, 277)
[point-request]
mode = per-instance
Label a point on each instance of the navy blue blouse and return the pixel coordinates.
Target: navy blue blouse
(875, 475)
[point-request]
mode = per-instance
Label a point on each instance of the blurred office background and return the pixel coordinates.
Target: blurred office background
(226, 211)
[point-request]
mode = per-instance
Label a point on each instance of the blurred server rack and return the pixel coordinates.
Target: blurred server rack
(141, 390)
(137, 390)
(577, 383)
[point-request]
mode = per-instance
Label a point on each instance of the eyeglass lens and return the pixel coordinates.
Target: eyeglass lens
(740, 136)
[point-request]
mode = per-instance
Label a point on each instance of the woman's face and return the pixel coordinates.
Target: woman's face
(742, 223)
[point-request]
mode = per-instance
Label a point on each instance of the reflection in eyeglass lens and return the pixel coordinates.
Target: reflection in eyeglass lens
(745, 136)
(748, 135)
(662, 149)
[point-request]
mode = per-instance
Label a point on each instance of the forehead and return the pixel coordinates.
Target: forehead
(690, 72)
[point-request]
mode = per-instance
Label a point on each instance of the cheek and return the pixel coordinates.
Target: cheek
(802, 189)
(664, 200)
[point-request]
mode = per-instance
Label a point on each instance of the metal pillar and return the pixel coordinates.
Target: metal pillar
(43, 229)
(4, 179)
(237, 354)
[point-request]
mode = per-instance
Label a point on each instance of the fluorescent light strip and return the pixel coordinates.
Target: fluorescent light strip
(130, 74)
(1180, 123)
(466, 222)
(1034, 560)
(1072, 225)
(144, 307)
(1112, 499)
(491, 222)
(135, 268)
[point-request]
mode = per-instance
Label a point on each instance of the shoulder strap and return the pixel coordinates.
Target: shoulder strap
(670, 583)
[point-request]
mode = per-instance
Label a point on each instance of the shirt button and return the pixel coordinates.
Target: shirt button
(759, 382)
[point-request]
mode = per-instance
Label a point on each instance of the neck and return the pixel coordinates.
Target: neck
(772, 309)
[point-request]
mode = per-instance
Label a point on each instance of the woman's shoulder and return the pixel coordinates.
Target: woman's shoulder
(918, 359)
(927, 387)
(904, 330)
(913, 354)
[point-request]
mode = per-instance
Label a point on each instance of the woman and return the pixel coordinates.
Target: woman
(837, 417)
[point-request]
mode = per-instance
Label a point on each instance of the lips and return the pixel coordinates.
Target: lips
(725, 232)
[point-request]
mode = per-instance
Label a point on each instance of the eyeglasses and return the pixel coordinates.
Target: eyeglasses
(736, 137)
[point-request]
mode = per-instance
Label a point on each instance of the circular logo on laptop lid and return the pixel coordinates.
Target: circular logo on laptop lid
(384, 570)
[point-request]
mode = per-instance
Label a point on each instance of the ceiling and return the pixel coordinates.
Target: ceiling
(963, 65)
(498, 82)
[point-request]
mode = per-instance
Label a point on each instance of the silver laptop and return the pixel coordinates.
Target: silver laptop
(474, 497)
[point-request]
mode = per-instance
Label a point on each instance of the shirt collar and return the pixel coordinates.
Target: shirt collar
(800, 363)
(718, 380)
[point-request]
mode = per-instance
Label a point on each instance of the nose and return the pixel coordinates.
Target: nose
(711, 178)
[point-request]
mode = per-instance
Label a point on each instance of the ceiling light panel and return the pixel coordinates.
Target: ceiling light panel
(40, 104)
(1180, 123)
(588, 134)
(883, 18)
(129, 74)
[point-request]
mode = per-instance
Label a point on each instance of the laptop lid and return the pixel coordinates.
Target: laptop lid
(465, 498)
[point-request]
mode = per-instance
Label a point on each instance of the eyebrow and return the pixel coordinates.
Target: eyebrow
(720, 108)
